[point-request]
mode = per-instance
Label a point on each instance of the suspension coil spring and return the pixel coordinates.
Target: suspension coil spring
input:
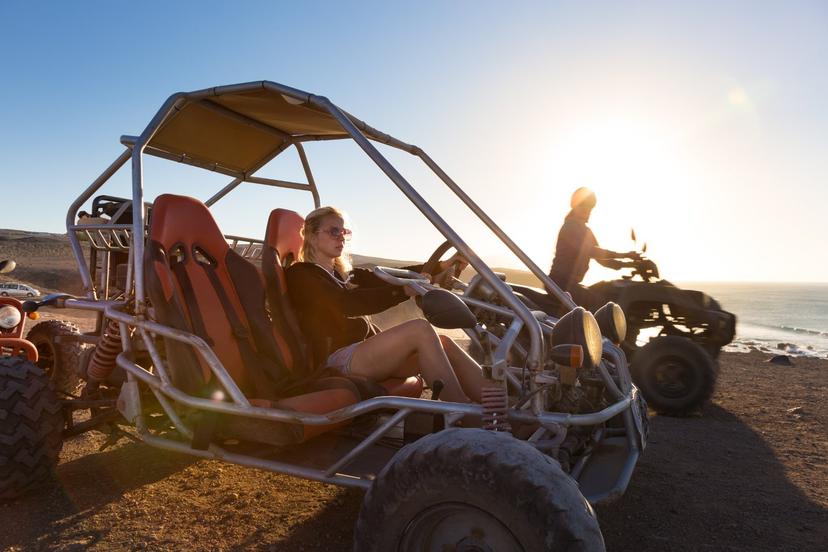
(495, 402)
(109, 347)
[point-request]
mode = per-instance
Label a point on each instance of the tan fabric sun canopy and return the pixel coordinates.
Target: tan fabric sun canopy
(205, 131)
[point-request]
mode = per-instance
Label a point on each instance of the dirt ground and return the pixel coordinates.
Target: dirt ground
(749, 473)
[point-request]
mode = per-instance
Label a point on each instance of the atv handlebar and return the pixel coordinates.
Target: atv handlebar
(645, 269)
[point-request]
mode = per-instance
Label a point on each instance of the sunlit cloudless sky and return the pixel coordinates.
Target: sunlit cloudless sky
(702, 125)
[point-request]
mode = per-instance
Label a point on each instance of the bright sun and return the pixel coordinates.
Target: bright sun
(635, 169)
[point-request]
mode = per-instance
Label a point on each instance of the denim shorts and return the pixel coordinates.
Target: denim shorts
(340, 360)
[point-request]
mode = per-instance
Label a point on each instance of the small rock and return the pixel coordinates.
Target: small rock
(782, 360)
(796, 410)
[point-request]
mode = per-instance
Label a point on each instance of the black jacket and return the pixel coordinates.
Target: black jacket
(572, 252)
(330, 314)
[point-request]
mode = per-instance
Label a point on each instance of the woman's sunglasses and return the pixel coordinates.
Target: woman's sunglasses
(335, 232)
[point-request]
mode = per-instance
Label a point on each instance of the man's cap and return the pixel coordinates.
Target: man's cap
(583, 196)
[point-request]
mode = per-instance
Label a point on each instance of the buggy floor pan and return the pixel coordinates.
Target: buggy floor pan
(608, 471)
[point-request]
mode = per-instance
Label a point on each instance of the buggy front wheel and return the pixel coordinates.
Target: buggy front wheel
(472, 489)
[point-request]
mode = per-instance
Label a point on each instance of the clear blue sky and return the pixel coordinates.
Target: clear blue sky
(702, 124)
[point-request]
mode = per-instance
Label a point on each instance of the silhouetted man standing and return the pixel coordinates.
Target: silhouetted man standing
(577, 245)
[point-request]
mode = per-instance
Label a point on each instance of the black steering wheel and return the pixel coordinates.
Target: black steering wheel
(432, 265)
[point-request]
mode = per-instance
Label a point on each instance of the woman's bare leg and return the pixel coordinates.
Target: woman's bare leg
(385, 355)
(468, 372)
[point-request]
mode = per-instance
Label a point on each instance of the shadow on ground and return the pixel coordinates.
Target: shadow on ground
(83, 487)
(712, 483)
(704, 483)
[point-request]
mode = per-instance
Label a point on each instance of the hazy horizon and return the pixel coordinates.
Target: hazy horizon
(589, 280)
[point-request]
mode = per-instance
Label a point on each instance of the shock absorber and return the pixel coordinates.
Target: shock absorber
(495, 402)
(109, 347)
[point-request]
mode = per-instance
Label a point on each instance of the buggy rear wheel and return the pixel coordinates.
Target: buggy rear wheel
(472, 489)
(31, 427)
(58, 354)
(675, 375)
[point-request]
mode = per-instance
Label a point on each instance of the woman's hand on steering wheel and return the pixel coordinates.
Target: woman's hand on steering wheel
(439, 270)
(457, 261)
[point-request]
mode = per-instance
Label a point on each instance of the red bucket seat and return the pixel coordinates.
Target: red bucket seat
(198, 284)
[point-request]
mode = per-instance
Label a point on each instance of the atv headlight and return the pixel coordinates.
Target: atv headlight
(612, 322)
(578, 327)
(9, 317)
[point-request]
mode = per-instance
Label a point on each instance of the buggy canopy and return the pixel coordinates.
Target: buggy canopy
(239, 127)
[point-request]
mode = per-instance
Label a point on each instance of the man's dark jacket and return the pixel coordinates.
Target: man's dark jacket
(572, 252)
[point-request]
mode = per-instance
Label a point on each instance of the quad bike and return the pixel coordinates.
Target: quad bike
(676, 368)
(197, 350)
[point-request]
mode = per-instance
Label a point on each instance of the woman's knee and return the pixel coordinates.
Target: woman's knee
(421, 327)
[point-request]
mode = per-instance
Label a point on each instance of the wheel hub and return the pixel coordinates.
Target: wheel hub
(460, 527)
(674, 378)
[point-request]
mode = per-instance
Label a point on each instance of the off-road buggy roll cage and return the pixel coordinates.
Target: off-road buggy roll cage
(236, 130)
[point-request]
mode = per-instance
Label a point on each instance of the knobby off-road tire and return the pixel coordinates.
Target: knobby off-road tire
(471, 489)
(31, 426)
(58, 358)
(675, 375)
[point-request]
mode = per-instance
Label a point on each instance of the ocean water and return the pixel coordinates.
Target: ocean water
(776, 318)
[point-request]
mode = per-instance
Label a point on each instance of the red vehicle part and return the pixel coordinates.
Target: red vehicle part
(11, 340)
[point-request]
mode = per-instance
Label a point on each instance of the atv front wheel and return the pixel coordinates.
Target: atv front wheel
(58, 353)
(675, 375)
(31, 427)
(472, 489)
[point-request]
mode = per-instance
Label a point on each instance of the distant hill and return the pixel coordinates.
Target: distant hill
(45, 261)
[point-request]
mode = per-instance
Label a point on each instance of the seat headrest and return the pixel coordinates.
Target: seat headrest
(182, 220)
(283, 234)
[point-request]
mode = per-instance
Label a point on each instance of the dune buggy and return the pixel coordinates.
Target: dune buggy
(197, 348)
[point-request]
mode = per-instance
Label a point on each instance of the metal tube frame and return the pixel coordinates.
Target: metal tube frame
(164, 392)
(362, 134)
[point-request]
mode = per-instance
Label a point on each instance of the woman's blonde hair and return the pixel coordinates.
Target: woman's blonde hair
(313, 223)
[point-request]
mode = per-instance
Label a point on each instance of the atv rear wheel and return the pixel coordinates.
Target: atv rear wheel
(675, 375)
(58, 356)
(472, 489)
(31, 427)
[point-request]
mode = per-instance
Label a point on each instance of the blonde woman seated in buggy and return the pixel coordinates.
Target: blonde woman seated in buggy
(332, 299)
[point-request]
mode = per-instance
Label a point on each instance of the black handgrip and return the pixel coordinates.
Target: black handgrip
(436, 389)
(439, 423)
(49, 300)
